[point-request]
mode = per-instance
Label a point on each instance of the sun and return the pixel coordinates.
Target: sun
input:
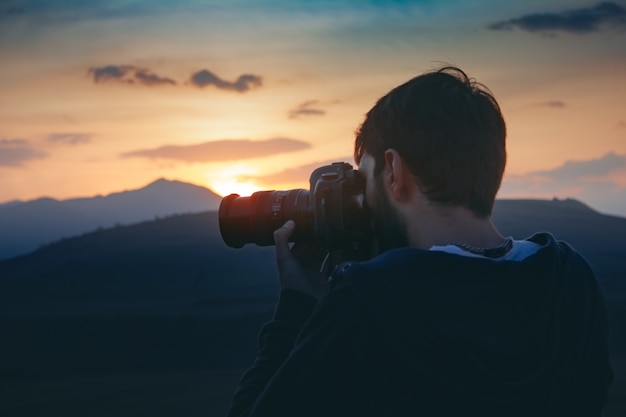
(232, 186)
(233, 180)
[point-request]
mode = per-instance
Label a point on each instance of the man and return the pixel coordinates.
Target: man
(451, 318)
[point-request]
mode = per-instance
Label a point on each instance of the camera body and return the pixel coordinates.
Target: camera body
(332, 212)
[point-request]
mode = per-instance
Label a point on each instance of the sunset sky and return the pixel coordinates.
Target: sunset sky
(241, 95)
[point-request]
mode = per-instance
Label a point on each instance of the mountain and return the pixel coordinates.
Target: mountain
(24, 226)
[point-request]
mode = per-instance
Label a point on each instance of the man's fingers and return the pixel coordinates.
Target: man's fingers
(281, 239)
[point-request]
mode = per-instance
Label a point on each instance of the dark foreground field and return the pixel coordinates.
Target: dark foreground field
(163, 394)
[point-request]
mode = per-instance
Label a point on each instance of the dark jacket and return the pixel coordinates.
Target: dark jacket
(416, 332)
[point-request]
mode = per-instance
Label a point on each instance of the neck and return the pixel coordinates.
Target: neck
(442, 226)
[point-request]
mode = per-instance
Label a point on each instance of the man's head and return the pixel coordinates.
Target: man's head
(449, 132)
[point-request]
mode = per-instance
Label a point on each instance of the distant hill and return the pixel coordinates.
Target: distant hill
(24, 226)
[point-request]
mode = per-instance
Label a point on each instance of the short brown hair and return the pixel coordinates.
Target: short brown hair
(449, 130)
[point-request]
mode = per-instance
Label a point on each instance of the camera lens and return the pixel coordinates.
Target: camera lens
(253, 219)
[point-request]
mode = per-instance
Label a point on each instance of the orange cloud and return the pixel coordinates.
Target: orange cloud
(14, 152)
(222, 150)
(306, 109)
(70, 138)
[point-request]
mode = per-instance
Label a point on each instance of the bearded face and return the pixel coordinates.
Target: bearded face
(389, 227)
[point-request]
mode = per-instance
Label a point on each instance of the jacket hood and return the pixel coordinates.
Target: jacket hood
(490, 330)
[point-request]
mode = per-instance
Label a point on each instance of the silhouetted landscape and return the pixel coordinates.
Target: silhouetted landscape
(27, 225)
(161, 318)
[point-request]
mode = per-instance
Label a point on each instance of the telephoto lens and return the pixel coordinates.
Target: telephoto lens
(253, 219)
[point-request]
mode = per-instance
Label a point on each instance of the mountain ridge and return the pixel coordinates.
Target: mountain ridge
(24, 226)
(151, 185)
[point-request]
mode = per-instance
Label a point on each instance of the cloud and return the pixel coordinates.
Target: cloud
(147, 78)
(299, 174)
(600, 182)
(245, 82)
(14, 152)
(70, 138)
(555, 104)
(575, 171)
(109, 72)
(606, 15)
(71, 11)
(222, 150)
(306, 109)
(13, 142)
(129, 74)
(13, 11)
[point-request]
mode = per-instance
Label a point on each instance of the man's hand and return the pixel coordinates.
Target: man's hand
(299, 268)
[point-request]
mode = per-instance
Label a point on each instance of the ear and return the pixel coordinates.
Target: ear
(398, 178)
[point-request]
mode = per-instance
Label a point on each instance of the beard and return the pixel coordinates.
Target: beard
(390, 230)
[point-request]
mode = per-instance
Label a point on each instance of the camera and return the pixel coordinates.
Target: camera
(333, 212)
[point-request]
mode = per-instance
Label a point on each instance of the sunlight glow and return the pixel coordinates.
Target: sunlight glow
(226, 181)
(227, 187)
